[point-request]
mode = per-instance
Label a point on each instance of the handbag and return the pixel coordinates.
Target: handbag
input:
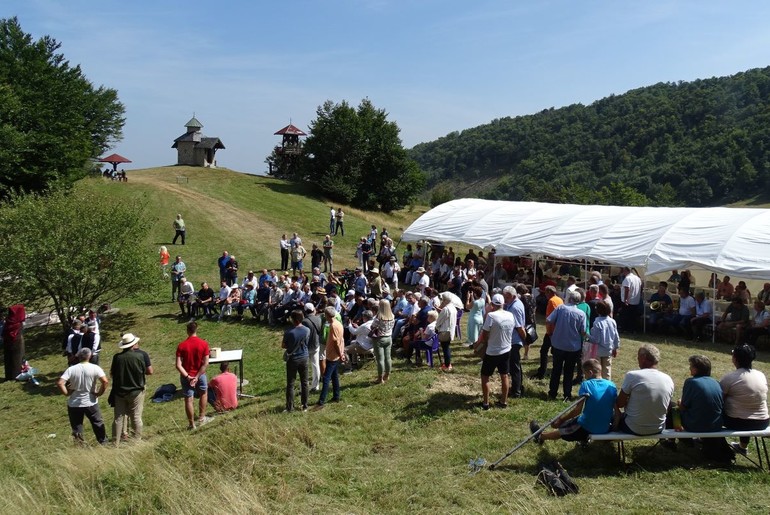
(590, 351)
(480, 349)
(531, 330)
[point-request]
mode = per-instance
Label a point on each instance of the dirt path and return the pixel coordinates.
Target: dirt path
(232, 220)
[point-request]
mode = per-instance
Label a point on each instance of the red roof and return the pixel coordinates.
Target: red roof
(290, 129)
(114, 158)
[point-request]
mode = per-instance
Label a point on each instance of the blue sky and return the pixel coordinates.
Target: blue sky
(246, 68)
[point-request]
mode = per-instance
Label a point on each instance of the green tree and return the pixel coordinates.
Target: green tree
(356, 156)
(52, 118)
(68, 249)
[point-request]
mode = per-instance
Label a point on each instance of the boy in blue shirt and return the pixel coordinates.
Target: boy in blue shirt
(592, 415)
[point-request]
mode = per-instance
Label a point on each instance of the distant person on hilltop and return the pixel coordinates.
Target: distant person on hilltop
(332, 220)
(340, 220)
(179, 228)
(285, 247)
(328, 245)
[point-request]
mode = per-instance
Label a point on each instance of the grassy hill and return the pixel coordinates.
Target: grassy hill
(394, 448)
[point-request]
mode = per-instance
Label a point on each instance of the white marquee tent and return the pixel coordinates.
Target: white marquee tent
(735, 241)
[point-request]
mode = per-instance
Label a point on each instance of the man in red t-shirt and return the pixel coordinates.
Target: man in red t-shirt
(223, 389)
(192, 358)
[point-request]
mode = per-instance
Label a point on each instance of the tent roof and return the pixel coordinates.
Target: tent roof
(728, 240)
(114, 158)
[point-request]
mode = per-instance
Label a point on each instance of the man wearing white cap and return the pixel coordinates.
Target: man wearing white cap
(128, 372)
(497, 331)
(423, 281)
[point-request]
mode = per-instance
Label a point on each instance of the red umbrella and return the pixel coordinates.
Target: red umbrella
(114, 160)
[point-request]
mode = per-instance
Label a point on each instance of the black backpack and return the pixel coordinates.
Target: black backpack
(556, 480)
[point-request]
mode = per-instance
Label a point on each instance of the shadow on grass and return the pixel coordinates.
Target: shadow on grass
(286, 188)
(39, 343)
(121, 322)
(47, 386)
(154, 303)
(601, 459)
(172, 316)
(438, 405)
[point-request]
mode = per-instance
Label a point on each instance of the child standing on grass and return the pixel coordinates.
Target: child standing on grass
(592, 415)
(605, 339)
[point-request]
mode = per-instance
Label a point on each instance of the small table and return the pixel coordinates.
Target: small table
(232, 355)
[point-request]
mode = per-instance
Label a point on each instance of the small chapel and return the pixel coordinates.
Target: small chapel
(194, 149)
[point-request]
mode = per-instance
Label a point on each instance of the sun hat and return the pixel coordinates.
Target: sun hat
(128, 340)
(420, 270)
(374, 271)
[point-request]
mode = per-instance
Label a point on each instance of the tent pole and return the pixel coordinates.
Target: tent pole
(494, 271)
(644, 304)
(713, 313)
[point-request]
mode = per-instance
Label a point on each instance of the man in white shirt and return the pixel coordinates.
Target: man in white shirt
(84, 383)
(680, 321)
(423, 281)
(704, 310)
(760, 322)
(73, 342)
(645, 395)
(390, 273)
(497, 331)
(516, 307)
(446, 326)
(362, 344)
(333, 215)
(631, 301)
(571, 286)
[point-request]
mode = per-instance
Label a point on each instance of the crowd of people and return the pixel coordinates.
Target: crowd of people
(390, 308)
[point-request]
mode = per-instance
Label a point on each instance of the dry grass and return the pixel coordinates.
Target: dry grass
(400, 447)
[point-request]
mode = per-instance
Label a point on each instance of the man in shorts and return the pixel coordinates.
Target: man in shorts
(497, 332)
(591, 415)
(192, 358)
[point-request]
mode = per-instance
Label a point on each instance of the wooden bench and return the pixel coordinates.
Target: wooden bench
(621, 438)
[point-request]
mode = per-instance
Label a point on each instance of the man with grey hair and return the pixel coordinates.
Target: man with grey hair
(84, 383)
(645, 395)
(569, 329)
(362, 344)
(516, 307)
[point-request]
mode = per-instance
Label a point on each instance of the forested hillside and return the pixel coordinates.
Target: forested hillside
(699, 143)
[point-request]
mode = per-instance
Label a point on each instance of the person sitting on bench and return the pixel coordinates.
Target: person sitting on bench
(646, 395)
(701, 408)
(591, 415)
(745, 394)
